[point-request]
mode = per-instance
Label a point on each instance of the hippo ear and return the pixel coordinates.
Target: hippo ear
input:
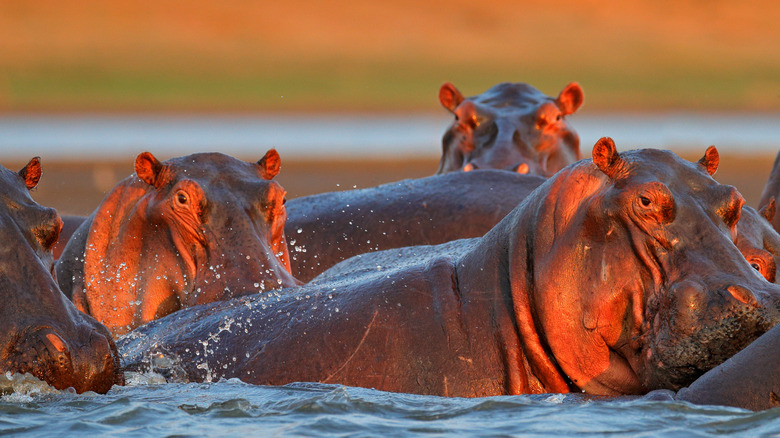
(148, 168)
(450, 97)
(768, 211)
(710, 160)
(606, 157)
(570, 99)
(31, 173)
(270, 164)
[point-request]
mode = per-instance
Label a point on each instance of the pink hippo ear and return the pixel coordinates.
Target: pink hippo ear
(768, 211)
(450, 97)
(270, 164)
(710, 160)
(606, 157)
(31, 173)
(570, 99)
(148, 168)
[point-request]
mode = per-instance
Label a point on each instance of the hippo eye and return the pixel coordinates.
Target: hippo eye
(645, 201)
(181, 198)
(558, 118)
(284, 201)
(755, 266)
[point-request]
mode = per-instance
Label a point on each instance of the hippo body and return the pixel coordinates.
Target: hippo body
(327, 228)
(43, 334)
(511, 126)
(187, 231)
(593, 283)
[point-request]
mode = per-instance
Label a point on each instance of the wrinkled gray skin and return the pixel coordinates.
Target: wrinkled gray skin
(42, 332)
(749, 379)
(616, 276)
(327, 228)
(511, 126)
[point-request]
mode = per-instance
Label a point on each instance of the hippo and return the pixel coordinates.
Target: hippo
(758, 241)
(511, 126)
(618, 275)
(772, 191)
(70, 223)
(326, 228)
(43, 334)
(178, 233)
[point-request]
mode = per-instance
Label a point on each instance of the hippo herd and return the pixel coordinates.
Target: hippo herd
(518, 268)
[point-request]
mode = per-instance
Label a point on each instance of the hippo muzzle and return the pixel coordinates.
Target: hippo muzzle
(90, 366)
(695, 328)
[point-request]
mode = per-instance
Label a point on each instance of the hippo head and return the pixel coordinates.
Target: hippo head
(636, 281)
(511, 126)
(43, 334)
(186, 231)
(758, 241)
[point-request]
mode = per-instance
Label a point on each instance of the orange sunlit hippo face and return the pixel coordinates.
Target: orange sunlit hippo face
(758, 241)
(43, 334)
(653, 240)
(186, 231)
(512, 126)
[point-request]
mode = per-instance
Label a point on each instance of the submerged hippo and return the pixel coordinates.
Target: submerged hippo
(186, 231)
(616, 276)
(511, 126)
(43, 334)
(327, 228)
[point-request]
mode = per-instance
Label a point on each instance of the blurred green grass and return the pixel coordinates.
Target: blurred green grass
(240, 55)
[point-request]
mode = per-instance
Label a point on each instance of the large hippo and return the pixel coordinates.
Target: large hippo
(511, 126)
(326, 228)
(616, 276)
(186, 231)
(42, 332)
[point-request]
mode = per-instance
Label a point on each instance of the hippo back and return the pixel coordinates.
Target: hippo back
(327, 228)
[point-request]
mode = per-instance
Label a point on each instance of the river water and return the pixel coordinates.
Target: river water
(352, 135)
(233, 408)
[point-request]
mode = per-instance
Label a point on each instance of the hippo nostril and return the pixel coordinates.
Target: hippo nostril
(743, 294)
(522, 168)
(55, 342)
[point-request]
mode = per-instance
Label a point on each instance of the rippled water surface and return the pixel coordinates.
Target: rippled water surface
(232, 408)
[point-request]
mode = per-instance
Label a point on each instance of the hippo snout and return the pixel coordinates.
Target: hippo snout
(91, 366)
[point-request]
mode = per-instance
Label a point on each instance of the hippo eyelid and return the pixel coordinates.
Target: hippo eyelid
(644, 200)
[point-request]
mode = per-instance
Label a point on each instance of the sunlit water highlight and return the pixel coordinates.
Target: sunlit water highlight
(233, 408)
(352, 135)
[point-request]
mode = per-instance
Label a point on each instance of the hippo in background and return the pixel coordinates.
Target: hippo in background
(326, 228)
(187, 231)
(617, 276)
(511, 126)
(771, 191)
(43, 334)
